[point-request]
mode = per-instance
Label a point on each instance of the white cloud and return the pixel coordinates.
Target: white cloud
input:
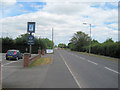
(66, 18)
(7, 2)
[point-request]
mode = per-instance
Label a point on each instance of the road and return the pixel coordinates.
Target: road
(91, 72)
(68, 70)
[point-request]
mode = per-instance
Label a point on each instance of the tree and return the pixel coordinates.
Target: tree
(79, 40)
(62, 45)
(109, 41)
(55, 46)
(7, 43)
(20, 43)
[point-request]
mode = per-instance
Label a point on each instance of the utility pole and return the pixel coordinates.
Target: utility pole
(90, 40)
(52, 39)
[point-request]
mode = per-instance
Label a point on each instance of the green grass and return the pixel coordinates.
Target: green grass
(41, 61)
(100, 56)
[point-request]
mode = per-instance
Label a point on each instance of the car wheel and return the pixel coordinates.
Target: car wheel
(6, 58)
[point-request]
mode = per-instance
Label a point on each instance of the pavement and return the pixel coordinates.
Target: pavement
(68, 70)
(15, 76)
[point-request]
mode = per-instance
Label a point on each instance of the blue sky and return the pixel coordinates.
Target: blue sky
(107, 5)
(22, 8)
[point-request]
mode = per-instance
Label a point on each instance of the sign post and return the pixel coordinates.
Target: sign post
(31, 29)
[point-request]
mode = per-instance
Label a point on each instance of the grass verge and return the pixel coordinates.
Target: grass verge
(41, 61)
(100, 56)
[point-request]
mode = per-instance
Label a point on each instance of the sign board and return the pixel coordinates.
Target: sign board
(30, 40)
(49, 51)
(31, 27)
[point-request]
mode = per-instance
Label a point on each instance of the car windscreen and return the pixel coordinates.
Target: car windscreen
(10, 52)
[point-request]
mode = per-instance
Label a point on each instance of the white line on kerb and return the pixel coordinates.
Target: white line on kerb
(7, 64)
(71, 71)
(92, 62)
(111, 70)
(10, 63)
(12, 66)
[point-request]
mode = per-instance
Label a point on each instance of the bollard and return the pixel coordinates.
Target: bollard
(26, 59)
(39, 52)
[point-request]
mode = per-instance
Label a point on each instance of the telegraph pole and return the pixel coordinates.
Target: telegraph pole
(52, 39)
(90, 40)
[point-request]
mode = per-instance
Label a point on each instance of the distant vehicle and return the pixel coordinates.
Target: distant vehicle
(14, 54)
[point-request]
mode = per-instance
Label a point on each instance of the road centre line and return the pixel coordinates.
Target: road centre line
(70, 71)
(111, 70)
(92, 62)
(82, 58)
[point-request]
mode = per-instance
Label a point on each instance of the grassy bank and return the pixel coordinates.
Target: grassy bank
(100, 56)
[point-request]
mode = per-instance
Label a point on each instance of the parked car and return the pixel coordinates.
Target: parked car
(14, 54)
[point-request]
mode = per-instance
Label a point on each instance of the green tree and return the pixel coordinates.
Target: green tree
(79, 40)
(20, 43)
(62, 45)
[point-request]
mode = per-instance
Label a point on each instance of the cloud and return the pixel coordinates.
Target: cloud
(6, 3)
(66, 18)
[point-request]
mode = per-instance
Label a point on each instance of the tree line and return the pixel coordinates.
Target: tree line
(81, 41)
(20, 43)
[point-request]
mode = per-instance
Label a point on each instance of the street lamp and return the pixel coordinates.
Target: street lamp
(90, 37)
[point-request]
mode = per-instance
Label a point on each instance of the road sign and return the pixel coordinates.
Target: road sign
(31, 27)
(30, 40)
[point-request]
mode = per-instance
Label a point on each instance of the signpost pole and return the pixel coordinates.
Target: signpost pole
(30, 46)
(30, 50)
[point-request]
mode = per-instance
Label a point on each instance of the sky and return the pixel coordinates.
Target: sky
(65, 17)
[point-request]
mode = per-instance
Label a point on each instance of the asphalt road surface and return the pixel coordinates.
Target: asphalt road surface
(91, 72)
(68, 70)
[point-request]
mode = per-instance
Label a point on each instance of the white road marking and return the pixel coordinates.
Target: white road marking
(92, 62)
(10, 63)
(12, 66)
(82, 58)
(111, 70)
(78, 56)
(71, 71)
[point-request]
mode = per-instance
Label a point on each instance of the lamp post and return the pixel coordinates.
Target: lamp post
(90, 37)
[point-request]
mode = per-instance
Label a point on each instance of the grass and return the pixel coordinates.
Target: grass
(41, 61)
(100, 56)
